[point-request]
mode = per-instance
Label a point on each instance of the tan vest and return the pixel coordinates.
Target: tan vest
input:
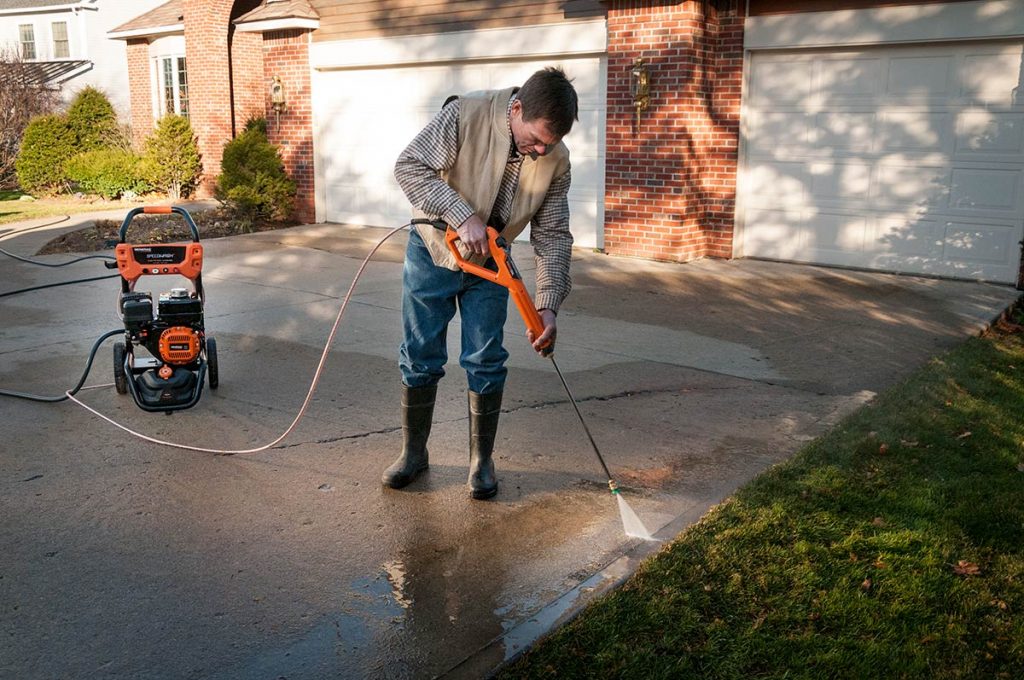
(484, 145)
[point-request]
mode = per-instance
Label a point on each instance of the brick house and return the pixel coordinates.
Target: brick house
(885, 134)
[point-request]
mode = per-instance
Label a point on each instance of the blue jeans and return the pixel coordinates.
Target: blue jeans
(430, 296)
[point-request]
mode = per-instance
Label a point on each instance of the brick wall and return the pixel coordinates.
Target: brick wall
(140, 90)
(286, 54)
(206, 51)
(247, 77)
(671, 182)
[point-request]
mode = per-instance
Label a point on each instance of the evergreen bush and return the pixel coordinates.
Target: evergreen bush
(172, 162)
(92, 120)
(253, 182)
(107, 172)
(45, 148)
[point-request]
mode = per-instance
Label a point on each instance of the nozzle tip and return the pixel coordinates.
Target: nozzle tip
(612, 486)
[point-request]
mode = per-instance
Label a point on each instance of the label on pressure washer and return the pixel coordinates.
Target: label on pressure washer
(166, 255)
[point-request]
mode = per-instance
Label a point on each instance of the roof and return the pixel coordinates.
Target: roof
(34, 4)
(167, 14)
(279, 9)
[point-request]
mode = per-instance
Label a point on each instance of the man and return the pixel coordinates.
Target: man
(496, 159)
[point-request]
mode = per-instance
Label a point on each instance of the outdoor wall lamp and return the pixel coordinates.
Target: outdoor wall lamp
(639, 87)
(277, 100)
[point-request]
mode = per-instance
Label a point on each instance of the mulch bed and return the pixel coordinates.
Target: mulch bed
(212, 223)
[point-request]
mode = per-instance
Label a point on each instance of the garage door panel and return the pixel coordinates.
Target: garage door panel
(925, 175)
(913, 131)
(993, 76)
(840, 181)
(985, 133)
(919, 78)
(979, 243)
(848, 80)
(843, 131)
(986, 190)
(782, 79)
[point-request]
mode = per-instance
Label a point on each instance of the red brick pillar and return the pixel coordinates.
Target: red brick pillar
(670, 183)
(286, 55)
(247, 76)
(140, 95)
(209, 87)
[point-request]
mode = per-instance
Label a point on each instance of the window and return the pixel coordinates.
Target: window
(28, 41)
(60, 40)
(173, 86)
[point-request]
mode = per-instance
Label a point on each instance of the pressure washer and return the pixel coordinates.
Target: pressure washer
(181, 352)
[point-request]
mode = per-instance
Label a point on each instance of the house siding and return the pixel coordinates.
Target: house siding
(348, 20)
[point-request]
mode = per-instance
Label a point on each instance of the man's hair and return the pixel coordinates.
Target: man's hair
(549, 95)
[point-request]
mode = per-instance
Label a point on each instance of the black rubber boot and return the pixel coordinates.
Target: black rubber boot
(417, 415)
(484, 411)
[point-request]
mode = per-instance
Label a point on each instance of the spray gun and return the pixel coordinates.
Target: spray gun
(507, 275)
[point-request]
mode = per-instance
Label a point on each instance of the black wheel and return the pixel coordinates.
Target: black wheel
(211, 363)
(120, 379)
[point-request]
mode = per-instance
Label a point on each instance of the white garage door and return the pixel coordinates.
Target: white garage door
(365, 117)
(905, 159)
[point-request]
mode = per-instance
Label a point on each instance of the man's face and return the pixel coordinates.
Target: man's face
(533, 137)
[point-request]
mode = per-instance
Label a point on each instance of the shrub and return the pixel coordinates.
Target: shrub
(46, 146)
(92, 119)
(172, 162)
(107, 172)
(253, 182)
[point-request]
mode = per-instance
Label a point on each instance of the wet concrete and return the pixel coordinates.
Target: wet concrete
(122, 559)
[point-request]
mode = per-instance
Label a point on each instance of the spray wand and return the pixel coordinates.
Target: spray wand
(507, 275)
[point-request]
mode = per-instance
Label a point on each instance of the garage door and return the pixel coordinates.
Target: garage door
(365, 117)
(905, 159)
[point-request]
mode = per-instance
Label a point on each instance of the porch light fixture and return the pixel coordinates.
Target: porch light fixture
(639, 88)
(277, 100)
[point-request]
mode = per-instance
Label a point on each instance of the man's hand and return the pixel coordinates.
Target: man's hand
(473, 232)
(550, 331)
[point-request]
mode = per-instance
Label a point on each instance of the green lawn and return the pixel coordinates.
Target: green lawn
(893, 547)
(13, 210)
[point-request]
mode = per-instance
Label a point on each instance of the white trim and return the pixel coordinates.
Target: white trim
(903, 24)
(277, 25)
(530, 42)
(146, 32)
(48, 8)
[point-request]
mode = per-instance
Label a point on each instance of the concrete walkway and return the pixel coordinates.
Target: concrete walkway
(123, 559)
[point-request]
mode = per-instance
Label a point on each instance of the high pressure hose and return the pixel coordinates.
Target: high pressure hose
(50, 264)
(69, 394)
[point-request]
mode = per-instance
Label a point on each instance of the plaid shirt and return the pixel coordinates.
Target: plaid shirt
(436, 148)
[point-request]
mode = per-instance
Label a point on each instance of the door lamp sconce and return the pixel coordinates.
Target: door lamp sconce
(639, 88)
(277, 100)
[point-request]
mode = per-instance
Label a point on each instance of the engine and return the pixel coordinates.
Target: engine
(174, 335)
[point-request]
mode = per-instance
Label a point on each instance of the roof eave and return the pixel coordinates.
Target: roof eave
(149, 32)
(278, 25)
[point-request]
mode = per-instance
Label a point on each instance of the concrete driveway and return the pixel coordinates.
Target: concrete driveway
(124, 559)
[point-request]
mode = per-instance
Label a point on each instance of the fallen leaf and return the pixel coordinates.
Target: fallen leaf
(1020, 467)
(866, 585)
(964, 435)
(879, 564)
(909, 443)
(878, 522)
(883, 449)
(965, 568)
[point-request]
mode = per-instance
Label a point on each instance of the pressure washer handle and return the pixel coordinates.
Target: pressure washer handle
(507, 275)
(160, 210)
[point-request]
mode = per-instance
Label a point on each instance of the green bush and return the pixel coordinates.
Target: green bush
(107, 172)
(253, 182)
(92, 120)
(172, 162)
(46, 146)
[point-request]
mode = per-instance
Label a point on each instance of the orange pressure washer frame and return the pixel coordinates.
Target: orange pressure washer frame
(189, 265)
